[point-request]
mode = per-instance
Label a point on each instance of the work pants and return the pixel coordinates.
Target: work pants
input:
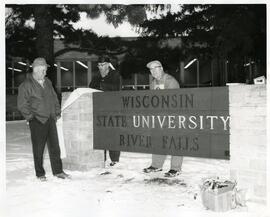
(176, 161)
(114, 155)
(40, 134)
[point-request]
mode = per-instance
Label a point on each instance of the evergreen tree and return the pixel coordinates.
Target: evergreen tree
(55, 21)
(236, 33)
(49, 21)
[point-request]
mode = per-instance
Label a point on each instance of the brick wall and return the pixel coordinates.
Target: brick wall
(78, 135)
(248, 139)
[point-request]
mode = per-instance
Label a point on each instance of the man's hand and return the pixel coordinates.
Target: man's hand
(30, 119)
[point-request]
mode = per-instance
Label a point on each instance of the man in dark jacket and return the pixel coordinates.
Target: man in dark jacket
(38, 103)
(107, 80)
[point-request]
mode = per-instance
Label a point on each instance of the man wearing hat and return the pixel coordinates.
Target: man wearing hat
(162, 80)
(108, 79)
(38, 103)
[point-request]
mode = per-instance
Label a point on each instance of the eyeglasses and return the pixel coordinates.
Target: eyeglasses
(154, 67)
(101, 64)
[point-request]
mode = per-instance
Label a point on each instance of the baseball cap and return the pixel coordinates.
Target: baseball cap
(154, 63)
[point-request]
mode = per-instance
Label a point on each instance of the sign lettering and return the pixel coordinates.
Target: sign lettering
(185, 122)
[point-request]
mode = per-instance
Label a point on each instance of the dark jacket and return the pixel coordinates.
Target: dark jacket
(36, 101)
(110, 82)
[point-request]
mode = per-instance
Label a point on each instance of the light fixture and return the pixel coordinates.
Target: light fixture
(248, 64)
(22, 63)
(17, 70)
(192, 61)
(82, 64)
(65, 69)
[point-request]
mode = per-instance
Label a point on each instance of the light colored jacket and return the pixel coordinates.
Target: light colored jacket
(166, 82)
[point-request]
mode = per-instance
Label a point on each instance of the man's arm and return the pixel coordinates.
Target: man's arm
(172, 83)
(116, 81)
(56, 101)
(57, 105)
(95, 83)
(23, 103)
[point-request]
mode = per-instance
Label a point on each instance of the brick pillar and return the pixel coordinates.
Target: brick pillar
(78, 135)
(248, 139)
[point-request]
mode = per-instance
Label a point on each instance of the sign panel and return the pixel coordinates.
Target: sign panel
(185, 122)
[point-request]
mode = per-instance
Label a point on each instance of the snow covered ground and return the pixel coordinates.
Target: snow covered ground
(122, 191)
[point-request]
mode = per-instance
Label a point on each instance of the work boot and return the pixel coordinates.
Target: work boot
(151, 169)
(113, 163)
(172, 173)
(42, 178)
(62, 175)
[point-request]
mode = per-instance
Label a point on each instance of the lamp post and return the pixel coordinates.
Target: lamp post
(12, 76)
(226, 71)
(198, 73)
(198, 70)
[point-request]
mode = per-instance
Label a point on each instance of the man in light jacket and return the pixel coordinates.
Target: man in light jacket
(162, 80)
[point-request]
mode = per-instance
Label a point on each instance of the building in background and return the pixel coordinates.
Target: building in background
(75, 67)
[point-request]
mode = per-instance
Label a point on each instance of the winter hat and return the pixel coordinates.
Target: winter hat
(40, 61)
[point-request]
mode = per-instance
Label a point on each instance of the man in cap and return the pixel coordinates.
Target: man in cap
(108, 79)
(38, 103)
(162, 80)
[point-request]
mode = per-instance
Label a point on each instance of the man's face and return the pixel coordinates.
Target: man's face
(103, 68)
(39, 72)
(156, 71)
